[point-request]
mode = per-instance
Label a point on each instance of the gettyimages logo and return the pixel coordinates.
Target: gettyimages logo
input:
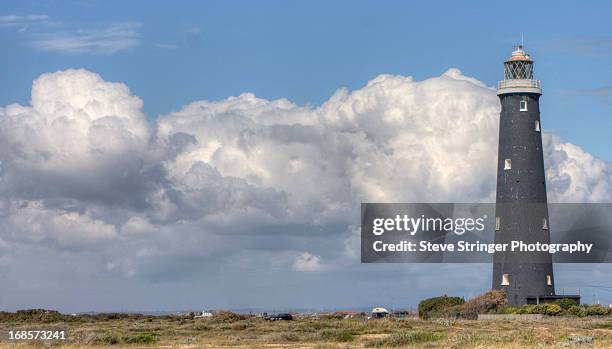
(411, 225)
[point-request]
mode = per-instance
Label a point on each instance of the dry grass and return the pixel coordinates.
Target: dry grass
(254, 332)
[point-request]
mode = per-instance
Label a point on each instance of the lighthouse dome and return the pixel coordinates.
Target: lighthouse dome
(519, 55)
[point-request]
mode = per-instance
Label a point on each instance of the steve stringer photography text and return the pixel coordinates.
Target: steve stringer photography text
(464, 246)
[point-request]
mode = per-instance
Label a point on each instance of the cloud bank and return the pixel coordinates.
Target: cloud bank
(229, 189)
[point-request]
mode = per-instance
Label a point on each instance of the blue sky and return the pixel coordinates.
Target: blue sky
(304, 51)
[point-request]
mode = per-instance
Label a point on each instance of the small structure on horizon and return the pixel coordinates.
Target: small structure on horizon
(379, 312)
(204, 313)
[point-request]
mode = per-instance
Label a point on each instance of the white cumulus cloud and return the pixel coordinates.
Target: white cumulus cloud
(32, 222)
(307, 262)
(574, 175)
(81, 137)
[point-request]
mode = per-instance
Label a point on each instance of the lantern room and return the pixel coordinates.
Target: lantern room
(518, 75)
(519, 65)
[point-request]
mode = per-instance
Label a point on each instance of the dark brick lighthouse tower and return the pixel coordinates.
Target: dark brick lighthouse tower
(521, 204)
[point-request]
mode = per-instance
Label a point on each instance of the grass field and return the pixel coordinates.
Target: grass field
(254, 332)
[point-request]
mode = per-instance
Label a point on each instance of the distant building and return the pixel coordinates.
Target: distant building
(379, 312)
(204, 313)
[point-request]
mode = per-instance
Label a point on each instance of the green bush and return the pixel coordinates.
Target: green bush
(544, 308)
(527, 309)
(576, 310)
(565, 303)
(437, 306)
(493, 301)
(597, 310)
(553, 309)
(539, 308)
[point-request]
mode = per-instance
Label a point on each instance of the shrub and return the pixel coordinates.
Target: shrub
(544, 308)
(596, 310)
(576, 310)
(553, 309)
(527, 309)
(565, 303)
(437, 306)
(539, 309)
(493, 301)
(489, 302)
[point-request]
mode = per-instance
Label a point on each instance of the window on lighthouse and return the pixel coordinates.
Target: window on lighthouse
(544, 224)
(507, 164)
(548, 280)
(523, 106)
(505, 279)
(537, 125)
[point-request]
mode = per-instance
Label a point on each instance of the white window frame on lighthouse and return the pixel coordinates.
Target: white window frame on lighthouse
(505, 280)
(507, 164)
(523, 105)
(537, 126)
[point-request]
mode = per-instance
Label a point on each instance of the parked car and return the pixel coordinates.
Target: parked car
(277, 317)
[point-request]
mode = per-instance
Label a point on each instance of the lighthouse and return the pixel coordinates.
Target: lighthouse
(521, 203)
